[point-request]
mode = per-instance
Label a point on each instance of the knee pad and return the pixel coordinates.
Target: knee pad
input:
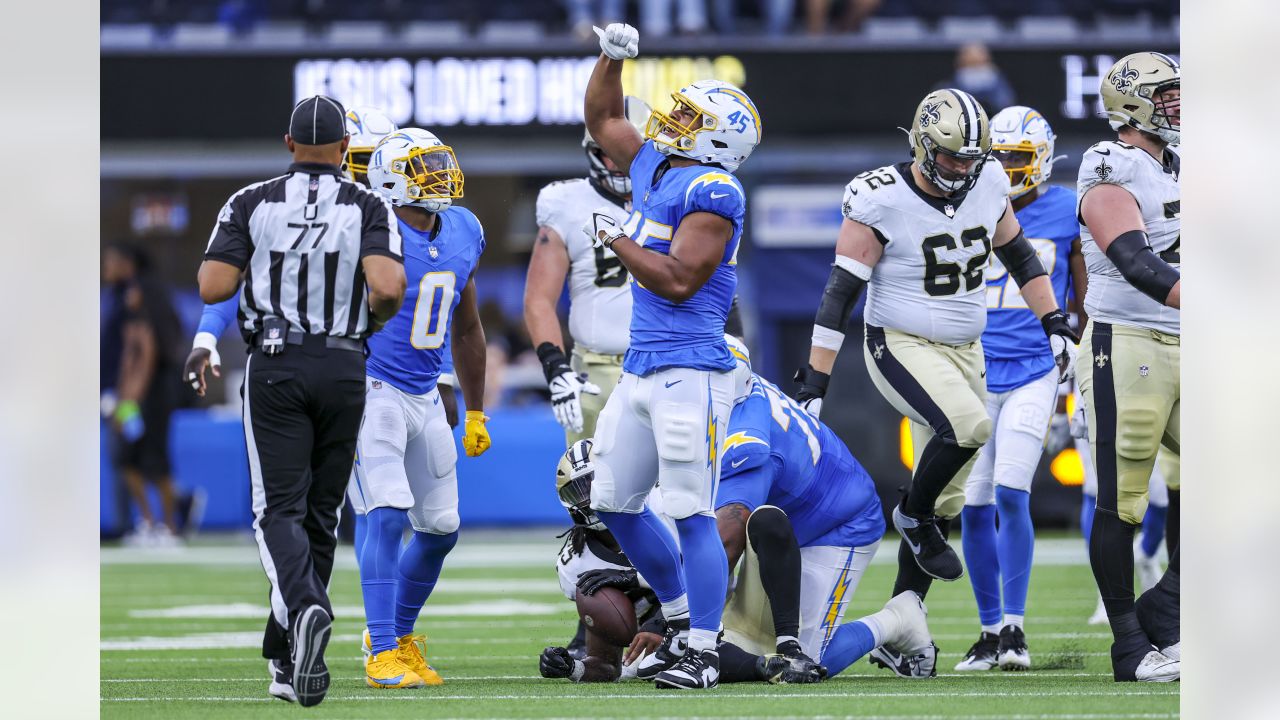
(680, 432)
(435, 522)
(605, 492)
(1131, 506)
(978, 435)
(684, 494)
(768, 524)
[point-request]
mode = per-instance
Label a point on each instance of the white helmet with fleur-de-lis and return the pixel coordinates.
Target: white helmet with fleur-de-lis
(952, 122)
(1131, 95)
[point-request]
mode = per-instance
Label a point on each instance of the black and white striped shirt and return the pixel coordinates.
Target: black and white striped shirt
(299, 239)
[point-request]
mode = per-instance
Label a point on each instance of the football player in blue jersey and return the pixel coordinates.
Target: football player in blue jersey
(804, 517)
(405, 456)
(665, 421)
(1022, 393)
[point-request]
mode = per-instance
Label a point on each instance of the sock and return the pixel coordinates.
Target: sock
(1015, 544)
(420, 564)
(910, 576)
(706, 573)
(652, 551)
(979, 543)
(781, 640)
(771, 536)
(1173, 522)
(848, 644)
(1087, 506)
(1153, 525)
(939, 463)
(378, 559)
(700, 640)
(1014, 620)
(1111, 556)
(677, 609)
(738, 665)
(359, 535)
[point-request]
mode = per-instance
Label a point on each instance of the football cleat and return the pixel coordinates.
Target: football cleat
(281, 680)
(931, 551)
(413, 653)
(919, 666)
(801, 669)
(366, 645)
(1133, 659)
(673, 647)
(387, 670)
(310, 638)
(1158, 614)
(1013, 649)
(1148, 567)
(1158, 667)
(694, 671)
(984, 655)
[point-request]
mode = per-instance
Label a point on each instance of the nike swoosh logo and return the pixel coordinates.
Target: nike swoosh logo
(736, 464)
(673, 382)
(1103, 152)
(717, 197)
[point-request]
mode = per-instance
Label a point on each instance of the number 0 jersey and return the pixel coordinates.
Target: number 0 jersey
(929, 281)
(1154, 184)
(599, 298)
(777, 454)
(410, 350)
(689, 334)
(1014, 342)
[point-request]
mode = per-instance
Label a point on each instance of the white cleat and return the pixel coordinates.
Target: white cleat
(907, 648)
(1099, 616)
(1173, 652)
(1158, 667)
(281, 681)
(1148, 567)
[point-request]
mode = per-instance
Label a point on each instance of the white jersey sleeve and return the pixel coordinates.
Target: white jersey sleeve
(570, 564)
(1154, 185)
(599, 285)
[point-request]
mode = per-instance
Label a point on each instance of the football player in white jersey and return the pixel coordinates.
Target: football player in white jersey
(600, 299)
(1129, 206)
(919, 234)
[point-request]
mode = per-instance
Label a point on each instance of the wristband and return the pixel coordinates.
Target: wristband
(205, 341)
(554, 362)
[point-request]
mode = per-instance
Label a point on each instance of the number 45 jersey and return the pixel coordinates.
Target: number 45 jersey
(929, 281)
(599, 297)
(409, 352)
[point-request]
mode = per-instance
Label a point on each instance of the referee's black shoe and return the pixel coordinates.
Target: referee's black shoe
(930, 549)
(310, 637)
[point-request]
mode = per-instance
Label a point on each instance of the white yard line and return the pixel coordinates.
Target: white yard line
(683, 697)
(449, 677)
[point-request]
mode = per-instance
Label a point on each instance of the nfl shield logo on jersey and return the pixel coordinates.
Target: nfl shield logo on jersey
(434, 252)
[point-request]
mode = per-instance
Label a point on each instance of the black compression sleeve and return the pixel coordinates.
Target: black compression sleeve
(838, 298)
(1020, 259)
(554, 362)
(770, 534)
(1144, 270)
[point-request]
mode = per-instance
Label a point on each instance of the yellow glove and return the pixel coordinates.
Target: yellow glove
(475, 438)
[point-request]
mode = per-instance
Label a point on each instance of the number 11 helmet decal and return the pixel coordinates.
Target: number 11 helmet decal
(724, 130)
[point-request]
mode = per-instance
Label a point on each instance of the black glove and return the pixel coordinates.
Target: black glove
(1062, 343)
(813, 383)
(592, 580)
(555, 662)
(1056, 323)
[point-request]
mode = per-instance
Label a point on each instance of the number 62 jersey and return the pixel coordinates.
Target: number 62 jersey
(929, 281)
(599, 294)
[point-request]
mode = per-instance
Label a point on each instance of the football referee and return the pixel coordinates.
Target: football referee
(321, 265)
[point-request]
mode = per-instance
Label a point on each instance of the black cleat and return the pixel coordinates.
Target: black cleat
(1013, 649)
(673, 647)
(310, 638)
(984, 655)
(695, 671)
(801, 669)
(1133, 659)
(931, 551)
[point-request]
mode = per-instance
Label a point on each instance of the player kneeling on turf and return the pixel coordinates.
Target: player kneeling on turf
(617, 606)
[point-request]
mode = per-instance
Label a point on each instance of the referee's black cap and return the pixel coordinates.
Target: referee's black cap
(318, 120)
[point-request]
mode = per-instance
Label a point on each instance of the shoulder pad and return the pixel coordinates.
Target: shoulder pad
(1107, 162)
(863, 195)
(715, 191)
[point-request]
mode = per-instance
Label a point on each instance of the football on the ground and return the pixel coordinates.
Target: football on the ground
(609, 614)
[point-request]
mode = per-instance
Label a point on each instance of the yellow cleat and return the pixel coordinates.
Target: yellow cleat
(386, 670)
(413, 651)
(366, 644)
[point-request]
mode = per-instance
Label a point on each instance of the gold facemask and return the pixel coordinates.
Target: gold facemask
(664, 129)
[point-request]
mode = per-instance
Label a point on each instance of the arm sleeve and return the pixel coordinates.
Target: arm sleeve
(230, 241)
(214, 319)
(718, 193)
(746, 472)
(380, 231)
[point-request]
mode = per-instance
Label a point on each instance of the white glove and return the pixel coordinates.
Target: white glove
(566, 394)
(1064, 356)
(619, 41)
(1079, 427)
(813, 406)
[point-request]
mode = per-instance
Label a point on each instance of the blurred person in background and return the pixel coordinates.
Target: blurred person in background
(585, 13)
(655, 17)
(817, 14)
(140, 362)
(977, 74)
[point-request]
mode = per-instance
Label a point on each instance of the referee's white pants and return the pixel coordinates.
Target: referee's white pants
(406, 458)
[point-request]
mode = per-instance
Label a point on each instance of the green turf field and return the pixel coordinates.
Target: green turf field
(181, 633)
